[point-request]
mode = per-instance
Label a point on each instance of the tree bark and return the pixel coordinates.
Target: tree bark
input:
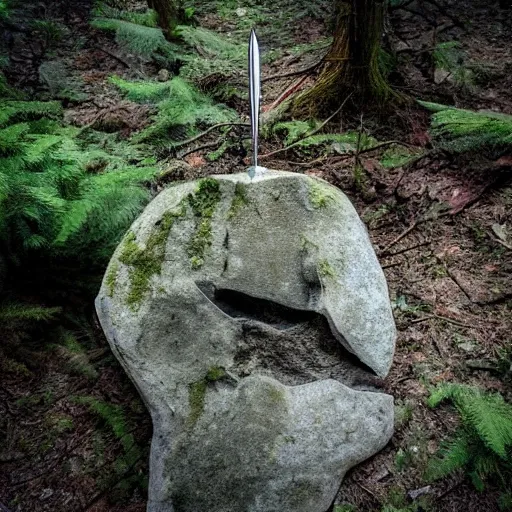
(352, 63)
(168, 13)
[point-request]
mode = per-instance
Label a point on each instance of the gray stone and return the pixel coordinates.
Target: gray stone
(242, 310)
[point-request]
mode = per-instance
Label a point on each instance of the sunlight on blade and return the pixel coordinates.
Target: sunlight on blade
(254, 97)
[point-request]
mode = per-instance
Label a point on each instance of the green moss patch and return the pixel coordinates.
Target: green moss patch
(110, 280)
(320, 195)
(146, 261)
(325, 269)
(215, 373)
(239, 200)
(203, 202)
(196, 396)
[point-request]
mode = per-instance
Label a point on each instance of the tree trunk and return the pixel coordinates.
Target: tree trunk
(352, 63)
(168, 13)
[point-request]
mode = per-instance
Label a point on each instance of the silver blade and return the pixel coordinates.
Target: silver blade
(254, 95)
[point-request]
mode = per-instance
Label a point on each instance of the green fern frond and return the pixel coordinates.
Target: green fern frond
(10, 138)
(179, 112)
(484, 443)
(454, 455)
(491, 417)
(294, 130)
(18, 312)
(144, 91)
(16, 111)
(140, 39)
(147, 18)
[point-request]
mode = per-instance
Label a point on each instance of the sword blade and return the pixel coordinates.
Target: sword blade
(254, 93)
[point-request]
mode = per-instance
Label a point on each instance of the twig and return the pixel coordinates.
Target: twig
(399, 237)
(215, 144)
(310, 134)
(308, 70)
(507, 246)
(439, 317)
(121, 60)
(386, 143)
(206, 132)
(3, 508)
(407, 249)
(365, 489)
(287, 93)
(390, 265)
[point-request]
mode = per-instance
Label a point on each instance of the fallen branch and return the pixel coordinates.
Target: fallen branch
(206, 132)
(215, 144)
(120, 59)
(286, 94)
(399, 237)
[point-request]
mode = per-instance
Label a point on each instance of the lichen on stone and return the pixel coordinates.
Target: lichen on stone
(203, 202)
(325, 269)
(320, 195)
(239, 200)
(110, 279)
(147, 260)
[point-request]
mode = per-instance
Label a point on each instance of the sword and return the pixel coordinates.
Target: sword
(254, 97)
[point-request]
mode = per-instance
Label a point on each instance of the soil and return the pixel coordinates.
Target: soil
(437, 226)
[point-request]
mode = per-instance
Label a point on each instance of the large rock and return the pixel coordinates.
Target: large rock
(242, 311)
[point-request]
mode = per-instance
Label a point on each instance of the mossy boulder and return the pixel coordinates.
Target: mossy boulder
(243, 311)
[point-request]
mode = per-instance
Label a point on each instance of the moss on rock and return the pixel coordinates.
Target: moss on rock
(110, 279)
(203, 202)
(320, 195)
(325, 269)
(196, 397)
(239, 200)
(146, 261)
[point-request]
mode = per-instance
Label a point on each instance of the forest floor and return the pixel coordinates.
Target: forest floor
(438, 224)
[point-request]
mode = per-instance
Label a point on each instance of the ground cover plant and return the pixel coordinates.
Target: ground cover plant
(101, 106)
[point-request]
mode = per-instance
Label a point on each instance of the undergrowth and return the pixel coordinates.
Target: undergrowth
(199, 53)
(482, 446)
(182, 109)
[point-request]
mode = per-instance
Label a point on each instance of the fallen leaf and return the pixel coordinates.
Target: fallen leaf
(195, 160)
(500, 231)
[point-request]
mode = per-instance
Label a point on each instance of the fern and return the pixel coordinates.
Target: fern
(12, 312)
(460, 130)
(181, 109)
(483, 444)
(201, 52)
(294, 130)
(49, 202)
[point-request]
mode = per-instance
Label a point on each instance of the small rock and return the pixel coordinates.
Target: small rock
(163, 75)
(440, 75)
(419, 492)
(467, 346)
(47, 493)
(241, 12)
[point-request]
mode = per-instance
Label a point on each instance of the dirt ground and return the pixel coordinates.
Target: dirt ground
(433, 224)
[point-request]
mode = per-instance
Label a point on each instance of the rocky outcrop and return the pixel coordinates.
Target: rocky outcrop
(243, 310)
